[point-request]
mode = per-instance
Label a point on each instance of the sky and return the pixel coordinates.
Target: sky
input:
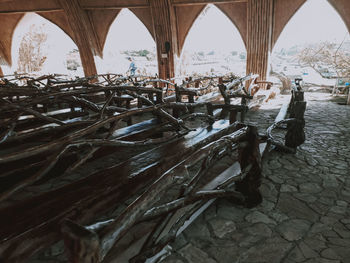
(206, 35)
(315, 21)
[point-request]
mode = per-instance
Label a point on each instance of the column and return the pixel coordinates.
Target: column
(259, 36)
(165, 35)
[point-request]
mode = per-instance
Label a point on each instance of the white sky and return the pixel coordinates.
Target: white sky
(127, 32)
(213, 31)
(315, 21)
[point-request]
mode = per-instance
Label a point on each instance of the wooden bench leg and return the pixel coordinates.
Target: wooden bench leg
(249, 155)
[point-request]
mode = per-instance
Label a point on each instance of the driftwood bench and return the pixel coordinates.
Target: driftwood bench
(163, 186)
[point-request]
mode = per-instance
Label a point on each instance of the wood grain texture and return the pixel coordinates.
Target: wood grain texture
(259, 36)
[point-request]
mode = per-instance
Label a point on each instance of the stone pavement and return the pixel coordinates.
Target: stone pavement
(305, 215)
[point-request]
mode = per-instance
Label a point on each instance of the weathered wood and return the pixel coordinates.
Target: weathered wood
(295, 135)
(32, 221)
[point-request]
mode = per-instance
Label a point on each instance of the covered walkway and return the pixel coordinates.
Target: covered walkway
(305, 215)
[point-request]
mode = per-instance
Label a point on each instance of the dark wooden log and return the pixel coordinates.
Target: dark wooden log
(295, 131)
(34, 225)
(249, 154)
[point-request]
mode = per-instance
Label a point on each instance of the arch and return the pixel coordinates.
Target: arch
(185, 17)
(144, 15)
(343, 9)
(214, 12)
(101, 22)
(8, 23)
(117, 39)
(237, 13)
(281, 18)
(284, 10)
(62, 41)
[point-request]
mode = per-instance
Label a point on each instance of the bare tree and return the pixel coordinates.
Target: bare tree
(327, 57)
(32, 54)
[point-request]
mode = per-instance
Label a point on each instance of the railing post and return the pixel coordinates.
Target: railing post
(249, 155)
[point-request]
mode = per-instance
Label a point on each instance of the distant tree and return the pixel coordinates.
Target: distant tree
(234, 53)
(143, 53)
(32, 53)
(326, 58)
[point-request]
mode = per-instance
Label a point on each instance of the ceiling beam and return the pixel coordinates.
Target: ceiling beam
(113, 6)
(21, 11)
(201, 2)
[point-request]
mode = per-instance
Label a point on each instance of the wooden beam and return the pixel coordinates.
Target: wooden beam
(165, 35)
(85, 37)
(1, 72)
(201, 2)
(259, 37)
(112, 7)
(21, 11)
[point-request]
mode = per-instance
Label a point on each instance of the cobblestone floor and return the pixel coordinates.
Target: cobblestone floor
(305, 215)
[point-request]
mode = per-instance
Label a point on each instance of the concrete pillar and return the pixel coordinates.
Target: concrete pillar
(259, 36)
(165, 35)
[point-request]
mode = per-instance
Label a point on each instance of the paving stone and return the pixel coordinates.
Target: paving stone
(307, 251)
(267, 205)
(315, 243)
(271, 251)
(309, 198)
(293, 229)
(278, 217)
(295, 208)
(329, 253)
(194, 255)
(288, 188)
(258, 217)
(171, 259)
(259, 230)
(343, 253)
(296, 255)
(199, 229)
(339, 209)
(222, 227)
(341, 230)
(227, 211)
(310, 188)
(224, 253)
(321, 260)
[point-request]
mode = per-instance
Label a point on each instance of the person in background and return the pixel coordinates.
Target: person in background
(132, 67)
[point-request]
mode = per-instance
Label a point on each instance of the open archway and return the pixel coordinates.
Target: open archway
(41, 47)
(128, 37)
(213, 45)
(309, 30)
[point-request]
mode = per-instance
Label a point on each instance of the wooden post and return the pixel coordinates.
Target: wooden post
(295, 135)
(83, 35)
(348, 101)
(1, 73)
(260, 24)
(165, 35)
(249, 154)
